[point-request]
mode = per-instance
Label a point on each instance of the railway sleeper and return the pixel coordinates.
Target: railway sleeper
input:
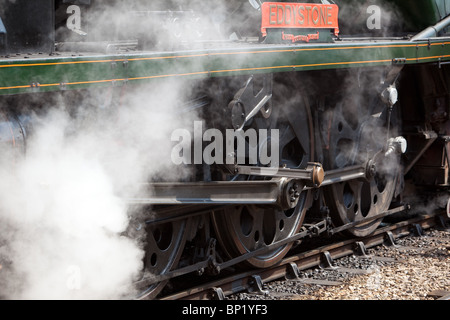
(293, 274)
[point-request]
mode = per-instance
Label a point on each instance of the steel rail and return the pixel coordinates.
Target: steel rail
(301, 261)
(313, 230)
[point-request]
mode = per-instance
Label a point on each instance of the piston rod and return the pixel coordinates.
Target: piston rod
(282, 190)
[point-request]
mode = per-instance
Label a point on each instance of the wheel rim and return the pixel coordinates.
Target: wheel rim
(245, 228)
(356, 135)
(354, 201)
(164, 246)
(251, 227)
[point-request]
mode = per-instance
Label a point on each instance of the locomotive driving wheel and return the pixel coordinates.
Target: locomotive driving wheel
(164, 246)
(358, 134)
(248, 228)
(242, 229)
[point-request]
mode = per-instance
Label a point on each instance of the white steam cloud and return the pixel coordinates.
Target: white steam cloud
(61, 207)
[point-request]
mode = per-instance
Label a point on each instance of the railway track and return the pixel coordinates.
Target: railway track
(221, 288)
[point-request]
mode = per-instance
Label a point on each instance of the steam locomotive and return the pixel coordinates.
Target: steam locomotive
(314, 113)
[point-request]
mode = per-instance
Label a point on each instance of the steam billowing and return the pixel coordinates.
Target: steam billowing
(62, 213)
(61, 206)
(371, 18)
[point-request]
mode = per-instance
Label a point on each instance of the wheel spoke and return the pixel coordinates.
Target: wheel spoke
(355, 137)
(164, 245)
(245, 228)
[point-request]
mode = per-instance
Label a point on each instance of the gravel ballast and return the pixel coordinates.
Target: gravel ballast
(416, 267)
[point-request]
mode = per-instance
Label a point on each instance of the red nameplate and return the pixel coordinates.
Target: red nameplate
(299, 15)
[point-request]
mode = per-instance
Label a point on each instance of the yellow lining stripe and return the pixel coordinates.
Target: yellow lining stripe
(222, 71)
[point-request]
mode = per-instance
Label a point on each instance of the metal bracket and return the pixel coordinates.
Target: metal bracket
(327, 261)
(246, 104)
(417, 230)
(256, 285)
(390, 240)
(218, 294)
(292, 272)
(361, 249)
